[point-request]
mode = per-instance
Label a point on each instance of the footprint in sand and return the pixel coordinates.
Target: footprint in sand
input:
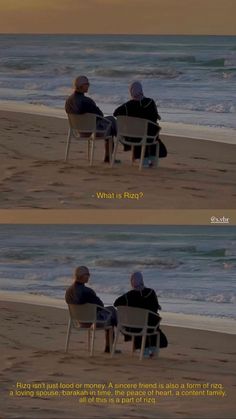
(6, 190)
(56, 184)
(200, 348)
(181, 164)
(199, 196)
(191, 188)
(229, 353)
(199, 158)
(182, 413)
(57, 374)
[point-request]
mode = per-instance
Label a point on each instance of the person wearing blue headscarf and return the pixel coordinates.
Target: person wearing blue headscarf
(142, 297)
(140, 106)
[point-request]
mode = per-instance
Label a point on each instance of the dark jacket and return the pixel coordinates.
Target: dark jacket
(80, 294)
(146, 109)
(78, 103)
(146, 298)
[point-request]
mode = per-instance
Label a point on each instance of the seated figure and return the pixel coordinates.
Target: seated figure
(143, 297)
(79, 293)
(142, 107)
(78, 103)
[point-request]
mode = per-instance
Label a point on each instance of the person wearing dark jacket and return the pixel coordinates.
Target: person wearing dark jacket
(79, 293)
(78, 103)
(142, 107)
(142, 297)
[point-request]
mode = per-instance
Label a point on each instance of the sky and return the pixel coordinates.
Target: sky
(215, 17)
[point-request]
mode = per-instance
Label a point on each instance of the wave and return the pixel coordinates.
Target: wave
(180, 58)
(213, 252)
(180, 297)
(217, 62)
(199, 106)
(35, 70)
(142, 262)
(168, 73)
(219, 298)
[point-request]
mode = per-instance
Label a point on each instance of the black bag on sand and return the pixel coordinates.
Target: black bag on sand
(163, 340)
(162, 149)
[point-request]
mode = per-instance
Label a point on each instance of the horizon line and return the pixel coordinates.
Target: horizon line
(113, 34)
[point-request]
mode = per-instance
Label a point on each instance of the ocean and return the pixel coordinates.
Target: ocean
(192, 268)
(191, 78)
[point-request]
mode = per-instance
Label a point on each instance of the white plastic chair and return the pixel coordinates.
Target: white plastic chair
(136, 318)
(129, 126)
(84, 317)
(84, 127)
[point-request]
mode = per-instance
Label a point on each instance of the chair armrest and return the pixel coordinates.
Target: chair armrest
(109, 314)
(153, 313)
(153, 123)
(107, 126)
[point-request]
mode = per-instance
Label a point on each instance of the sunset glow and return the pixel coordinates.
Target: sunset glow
(118, 16)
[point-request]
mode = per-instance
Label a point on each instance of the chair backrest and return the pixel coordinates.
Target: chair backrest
(129, 126)
(132, 316)
(82, 313)
(83, 123)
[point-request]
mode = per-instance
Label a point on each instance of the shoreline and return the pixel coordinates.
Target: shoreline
(170, 129)
(179, 320)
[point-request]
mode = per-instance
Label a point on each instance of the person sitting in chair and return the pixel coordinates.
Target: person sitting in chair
(142, 107)
(143, 297)
(79, 293)
(78, 103)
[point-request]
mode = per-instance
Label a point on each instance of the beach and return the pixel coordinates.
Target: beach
(36, 358)
(197, 174)
(191, 268)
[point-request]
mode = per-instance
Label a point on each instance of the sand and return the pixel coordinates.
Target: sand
(197, 174)
(32, 352)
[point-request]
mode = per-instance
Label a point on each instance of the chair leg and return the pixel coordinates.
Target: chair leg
(110, 146)
(89, 149)
(132, 347)
(92, 340)
(142, 156)
(89, 340)
(117, 332)
(68, 335)
(92, 152)
(114, 152)
(68, 144)
(132, 154)
(157, 155)
(142, 347)
(110, 338)
(158, 344)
